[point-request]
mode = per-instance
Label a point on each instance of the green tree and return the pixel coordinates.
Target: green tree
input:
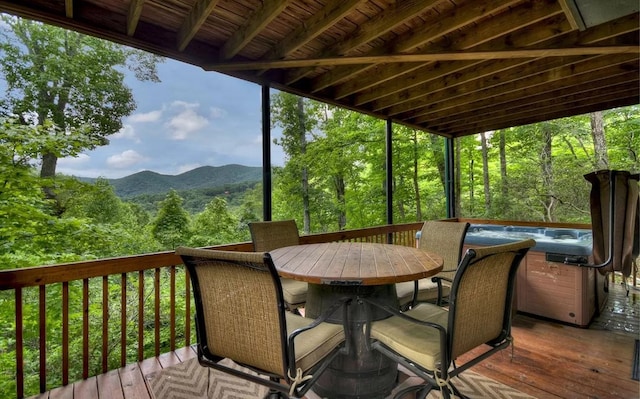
(215, 225)
(74, 80)
(171, 225)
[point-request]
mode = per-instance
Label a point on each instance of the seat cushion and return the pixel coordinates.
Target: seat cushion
(419, 343)
(294, 292)
(427, 291)
(313, 345)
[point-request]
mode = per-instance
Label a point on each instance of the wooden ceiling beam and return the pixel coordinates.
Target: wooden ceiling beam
(456, 19)
(68, 8)
(133, 16)
(425, 57)
(196, 17)
(540, 103)
(581, 108)
(572, 74)
(255, 24)
(540, 29)
(595, 36)
(333, 12)
(382, 23)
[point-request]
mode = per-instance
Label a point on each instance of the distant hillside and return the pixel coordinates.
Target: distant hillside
(148, 182)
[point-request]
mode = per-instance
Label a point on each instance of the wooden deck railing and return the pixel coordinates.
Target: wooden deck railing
(145, 298)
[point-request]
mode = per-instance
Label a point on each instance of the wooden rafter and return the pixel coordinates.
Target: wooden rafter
(255, 24)
(448, 56)
(370, 30)
(133, 16)
(333, 12)
(198, 14)
(68, 8)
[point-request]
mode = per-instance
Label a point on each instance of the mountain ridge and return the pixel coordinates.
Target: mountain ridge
(150, 182)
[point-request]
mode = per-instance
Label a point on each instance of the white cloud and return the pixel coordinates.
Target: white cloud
(184, 104)
(152, 116)
(127, 132)
(185, 123)
(125, 159)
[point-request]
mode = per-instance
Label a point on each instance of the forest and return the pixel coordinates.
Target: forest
(333, 178)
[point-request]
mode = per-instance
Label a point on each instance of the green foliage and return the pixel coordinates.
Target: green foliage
(75, 81)
(171, 226)
(216, 225)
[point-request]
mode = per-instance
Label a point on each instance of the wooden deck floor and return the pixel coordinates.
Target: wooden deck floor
(550, 360)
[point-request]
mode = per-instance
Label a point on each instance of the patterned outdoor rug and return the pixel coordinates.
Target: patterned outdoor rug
(189, 380)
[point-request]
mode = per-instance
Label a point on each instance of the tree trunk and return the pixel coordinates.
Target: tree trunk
(547, 173)
(485, 174)
(599, 141)
(416, 189)
(305, 171)
(338, 182)
(503, 171)
(438, 155)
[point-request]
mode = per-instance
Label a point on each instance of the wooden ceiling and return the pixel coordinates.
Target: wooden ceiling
(451, 67)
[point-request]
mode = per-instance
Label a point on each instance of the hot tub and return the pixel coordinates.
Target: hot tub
(545, 285)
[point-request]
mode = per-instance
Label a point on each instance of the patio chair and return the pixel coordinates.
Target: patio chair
(270, 235)
(428, 338)
(445, 239)
(240, 316)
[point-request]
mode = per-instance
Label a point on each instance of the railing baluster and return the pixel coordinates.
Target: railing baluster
(85, 328)
(172, 308)
(65, 333)
(105, 324)
(156, 319)
(43, 338)
(123, 319)
(19, 345)
(141, 315)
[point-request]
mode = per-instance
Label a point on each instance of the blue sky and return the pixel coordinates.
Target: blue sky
(192, 118)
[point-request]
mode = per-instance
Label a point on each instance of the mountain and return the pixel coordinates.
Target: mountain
(148, 182)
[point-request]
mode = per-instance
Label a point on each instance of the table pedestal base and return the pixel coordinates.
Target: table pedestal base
(362, 373)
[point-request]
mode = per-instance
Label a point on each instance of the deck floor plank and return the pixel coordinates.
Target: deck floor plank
(551, 360)
(110, 386)
(133, 384)
(86, 388)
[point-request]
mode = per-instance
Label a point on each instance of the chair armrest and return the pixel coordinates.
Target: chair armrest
(438, 281)
(341, 303)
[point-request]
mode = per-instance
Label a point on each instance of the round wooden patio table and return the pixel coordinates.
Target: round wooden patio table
(355, 269)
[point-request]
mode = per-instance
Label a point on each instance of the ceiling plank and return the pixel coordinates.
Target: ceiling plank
(382, 23)
(197, 16)
(135, 10)
(444, 56)
(446, 24)
(583, 72)
(450, 77)
(523, 34)
(333, 12)
(541, 102)
(255, 24)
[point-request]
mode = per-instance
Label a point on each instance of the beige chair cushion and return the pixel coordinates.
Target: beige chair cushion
(427, 291)
(313, 345)
(419, 343)
(294, 292)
